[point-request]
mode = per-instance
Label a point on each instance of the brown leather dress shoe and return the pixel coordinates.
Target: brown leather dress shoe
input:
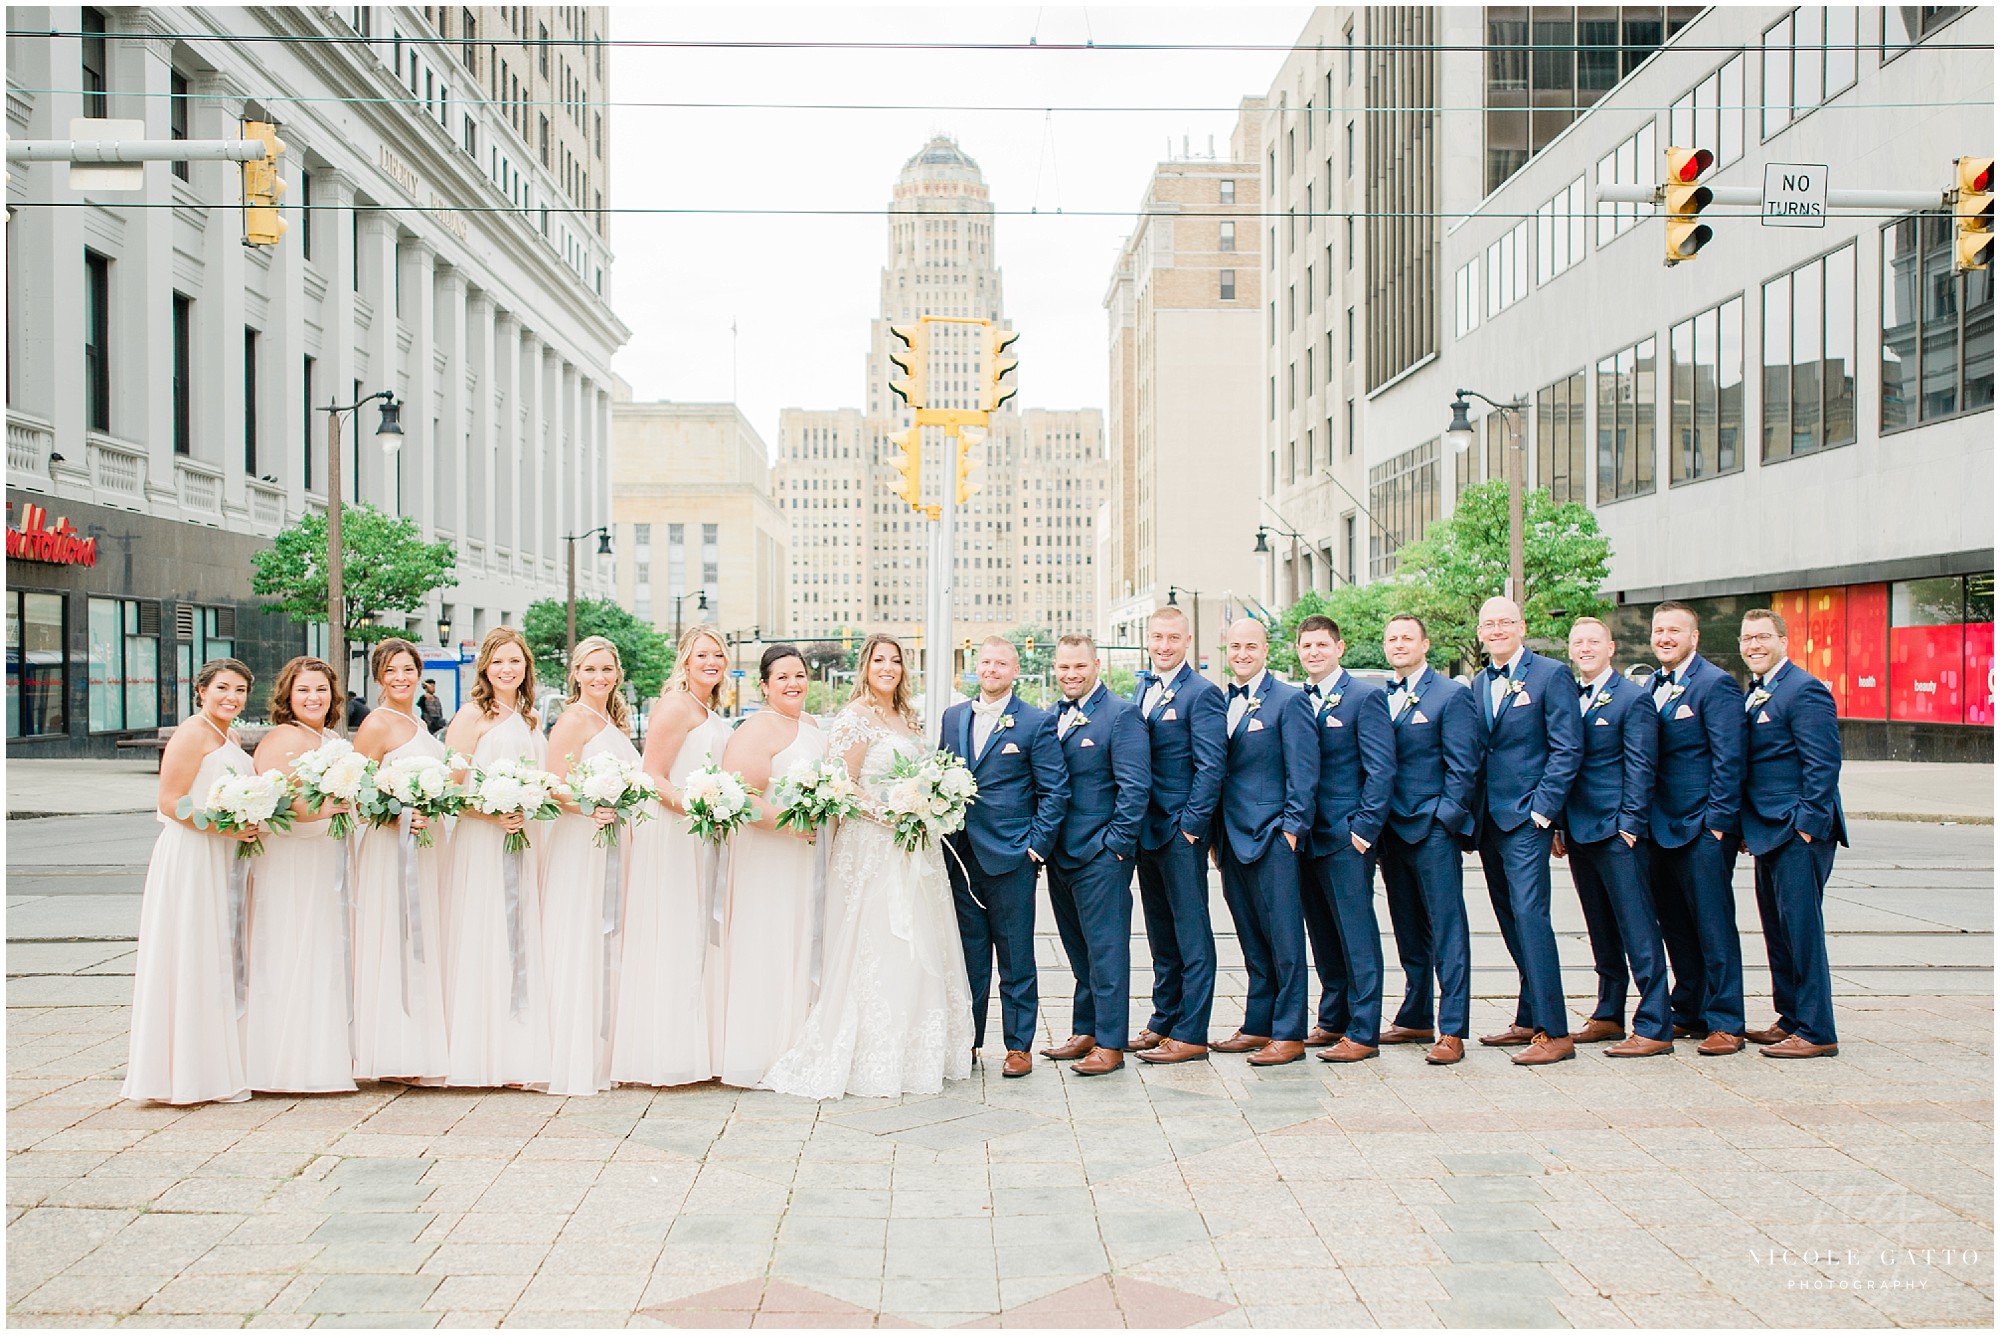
(1719, 1044)
(1545, 1051)
(1347, 1050)
(1763, 1037)
(1076, 1045)
(1017, 1065)
(1600, 1031)
(1513, 1036)
(1683, 1031)
(1395, 1033)
(1101, 1061)
(1278, 1052)
(1640, 1046)
(1796, 1046)
(1447, 1051)
(1147, 1041)
(1171, 1050)
(1321, 1038)
(1241, 1042)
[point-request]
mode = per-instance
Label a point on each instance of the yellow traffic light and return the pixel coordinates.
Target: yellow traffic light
(1973, 214)
(999, 361)
(971, 467)
(912, 358)
(911, 465)
(1028, 644)
(263, 187)
(1686, 233)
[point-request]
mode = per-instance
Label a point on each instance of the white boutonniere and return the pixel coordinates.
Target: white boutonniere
(1256, 703)
(1333, 701)
(1675, 691)
(1603, 698)
(1166, 698)
(1403, 703)
(1757, 698)
(1516, 685)
(1006, 721)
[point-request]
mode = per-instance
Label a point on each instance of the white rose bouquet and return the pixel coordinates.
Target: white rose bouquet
(509, 786)
(927, 797)
(813, 794)
(717, 803)
(606, 781)
(235, 802)
(421, 784)
(333, 771)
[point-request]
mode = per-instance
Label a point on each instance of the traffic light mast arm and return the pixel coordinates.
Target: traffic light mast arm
(1735, 195)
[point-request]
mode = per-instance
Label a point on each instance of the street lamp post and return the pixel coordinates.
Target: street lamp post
(1460, 434)
(681, 601)
(570, 540)
(1172, 601)
(389, 433)
(1263, 548)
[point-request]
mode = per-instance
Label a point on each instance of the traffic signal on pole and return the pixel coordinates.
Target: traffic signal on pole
(911, 465)
(1028, 644)
(1686, 233)
(971, 466)
(1972, 243)
(911, 354)
(999, 361)
(263, 225)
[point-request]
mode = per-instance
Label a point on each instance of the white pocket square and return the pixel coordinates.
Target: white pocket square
(1333, 722)
(1763, 716)
(1604, 723)
(1086, 742)
(1522, 700)
(1418, 717)
(1683, 712)
(1169, 716)
(1010, 750)
(1255, 726)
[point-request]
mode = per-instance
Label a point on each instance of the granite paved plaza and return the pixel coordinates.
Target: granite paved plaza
(1680, 1191)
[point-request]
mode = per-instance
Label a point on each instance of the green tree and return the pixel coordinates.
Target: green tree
(1043, 657)
(1359, 610)
(642, 647)
(1462, 561)
(386, 566)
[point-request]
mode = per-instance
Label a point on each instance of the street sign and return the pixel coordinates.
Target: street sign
(109, 175)
(1794, 194)
(736, 672)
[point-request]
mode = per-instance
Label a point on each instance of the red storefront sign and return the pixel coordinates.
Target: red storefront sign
(1979, 673)
(34, 540)
(1927, 673)
(1867, 694)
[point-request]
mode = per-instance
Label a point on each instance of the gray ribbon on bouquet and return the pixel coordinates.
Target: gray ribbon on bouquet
(510, 876)
(342, 886)
(718, 872)
(239, 928)
(820, 842)
(412, 917)
(614, 886)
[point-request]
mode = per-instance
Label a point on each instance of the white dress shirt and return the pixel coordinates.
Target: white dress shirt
(1675, 677)
(1498, 685)
(1240, 706)
(1151, 701)
(985, 718)
(1593, 688)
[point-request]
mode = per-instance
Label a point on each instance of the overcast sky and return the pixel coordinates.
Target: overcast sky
(801, 290)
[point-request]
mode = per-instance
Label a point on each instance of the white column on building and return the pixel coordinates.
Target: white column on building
(419, 259)
(379, 369)
(334, 374)
(505, 480)
(483, 417)
(142, 323)
(448, 462)
(217, 113)
(528, 479)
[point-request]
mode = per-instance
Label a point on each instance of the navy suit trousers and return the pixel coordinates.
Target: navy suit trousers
(1173, 895)
(996, 917)
(1093, 908)
(1339, 894)
(1263, 899)
(1517, 879)
(1791, 884)
(1425, 884)
(1696, 904)
(1618, 909)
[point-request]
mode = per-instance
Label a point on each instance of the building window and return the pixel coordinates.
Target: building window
(177, 114)
(96, 341)
(96, 102)
(1631, 163)
(250, 402)
(1507, 269)
(1937, 326)
(1705, 413)
(1403, 498)
(1227, 196)
(470, 138)
(1225, 238)
(200, 633)
(542, 47)
(544, 142)
(1350, 426)
(1350, 149)
(676, 560)
(124, 664)
(1466, 298)
(1903, 26)
(1710, 115)
(1941, 650)
(468, 32)
(306, 436)
(1559, 439)
(1809, 357)
(710, 568)
(1559, 232)
(37, 665)
(1350, 333)
(183, 374)
(305, 214)
(1228, 292)
(1810, 57)
(1626, 414)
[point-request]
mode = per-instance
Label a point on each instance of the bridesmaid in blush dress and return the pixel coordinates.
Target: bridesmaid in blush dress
(767, 945)
(295, 1025)
(496, 998)
(664, 1013)
(399, 942)
(187, 1042)
(583, 894)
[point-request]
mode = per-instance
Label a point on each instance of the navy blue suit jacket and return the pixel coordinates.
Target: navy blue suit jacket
(1533, 747)
(1357, 764)
(1273, 771)
(1189, 742)
(1439, 745)
(1110, 773)
(1699, 784)
(1023, 786)
(1613, 792)
(1791, 763)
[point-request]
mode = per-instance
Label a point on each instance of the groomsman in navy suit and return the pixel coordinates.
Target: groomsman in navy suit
(1697, 798)
(1431, 823)
(1103, 742)
(1267, 809)
(1534, 743)
(1357, 775)
(1603, 832)
(1012, 751)
(1791, 823)
(1185, 726)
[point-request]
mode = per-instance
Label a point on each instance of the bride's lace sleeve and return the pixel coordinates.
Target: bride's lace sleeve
(850, 728)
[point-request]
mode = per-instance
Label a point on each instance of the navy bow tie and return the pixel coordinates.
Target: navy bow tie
(1662, 678)
(1756, 683)
(1312, 689)
(1144, 675)
(1236, 690)
(1582, 687)
(1494, 671)
(1065, 707)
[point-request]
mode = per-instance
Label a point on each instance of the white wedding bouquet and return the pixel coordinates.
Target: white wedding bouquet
(717, 803)
(333, 771)
(509, 786)
(607, 781)
(813, 794)
(421, 784)
(927, 797)
(235, 802)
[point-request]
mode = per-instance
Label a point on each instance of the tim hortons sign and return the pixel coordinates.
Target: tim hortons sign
(36, 540)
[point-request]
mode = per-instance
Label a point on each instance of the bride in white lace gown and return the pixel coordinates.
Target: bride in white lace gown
(894, 1012)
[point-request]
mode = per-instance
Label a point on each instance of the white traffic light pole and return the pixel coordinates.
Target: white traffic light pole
(1754, 195)
(135, 150)
(938, 670)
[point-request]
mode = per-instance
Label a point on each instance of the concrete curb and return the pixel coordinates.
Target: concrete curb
(1920, 817)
